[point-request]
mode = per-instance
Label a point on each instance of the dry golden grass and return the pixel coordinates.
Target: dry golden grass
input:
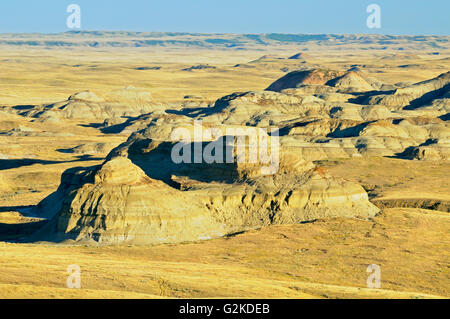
(324, 259)
(43, 76)
(392, 178)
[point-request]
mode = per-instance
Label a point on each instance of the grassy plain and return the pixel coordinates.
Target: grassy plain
(322, 259)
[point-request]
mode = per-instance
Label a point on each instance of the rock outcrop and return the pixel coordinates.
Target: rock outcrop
(91, 148)
(297, 78)
(118, 202)
(437, 150)
(351, 81)
(86, 105)
(415, 95)
(139, 195)
(343, 82)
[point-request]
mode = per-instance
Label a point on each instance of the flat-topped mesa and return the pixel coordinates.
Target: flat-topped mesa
(141, 195)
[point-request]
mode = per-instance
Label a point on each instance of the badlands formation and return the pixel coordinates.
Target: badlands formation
(358, 153)
(140, 195)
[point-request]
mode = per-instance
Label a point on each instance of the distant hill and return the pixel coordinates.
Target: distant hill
(124, 39)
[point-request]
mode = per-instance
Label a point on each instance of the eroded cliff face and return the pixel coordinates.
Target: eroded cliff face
(125, 205)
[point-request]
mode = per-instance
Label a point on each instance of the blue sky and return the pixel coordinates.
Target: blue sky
(229, 16)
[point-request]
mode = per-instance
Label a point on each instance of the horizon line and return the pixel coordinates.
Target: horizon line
(221, 33)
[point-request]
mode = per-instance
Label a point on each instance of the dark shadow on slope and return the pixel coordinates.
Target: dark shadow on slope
(429, 141)
(107, 128)
(349, 131)
(362, 97)
(428, 97)
(118, 128)
(407, 154)
(413, 152)
(218, 107)
(445, 117)
(15, 233)
(22, 107)
(57, 203)
(229, 236)
(20, 209)
(93, 125)
(190, 111)
(16, 163)
(287, 129)
(158, 164)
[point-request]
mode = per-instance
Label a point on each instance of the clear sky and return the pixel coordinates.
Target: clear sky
(229, 16)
